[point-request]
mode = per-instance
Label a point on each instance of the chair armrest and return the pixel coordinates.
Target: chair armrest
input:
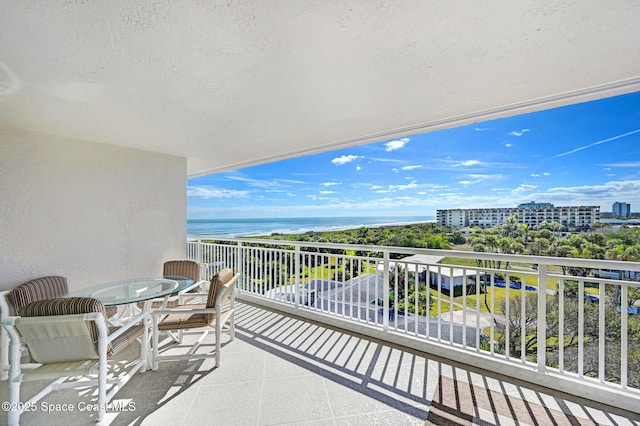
(9, 321)
(191, 287)
(188, 293)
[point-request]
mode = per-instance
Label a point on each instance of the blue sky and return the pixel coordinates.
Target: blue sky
(584, 154)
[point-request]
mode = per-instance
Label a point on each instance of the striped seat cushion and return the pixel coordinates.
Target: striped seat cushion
(111, 310)
(188, 320)
(125, 339)
(82, 305)
(182, 268)
(184, 321)
(218, 281)
(37, 289)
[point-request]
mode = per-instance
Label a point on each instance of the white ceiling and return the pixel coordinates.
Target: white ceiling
(234, 83)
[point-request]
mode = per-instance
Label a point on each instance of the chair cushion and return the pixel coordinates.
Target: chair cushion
(182, 268)
(124, 340)
(37, 289)
(187, 320)
(111, 310)
(53, 341)
(63, 306)
(83, 305)
(67, 306)
(219, 280)
(184, 321)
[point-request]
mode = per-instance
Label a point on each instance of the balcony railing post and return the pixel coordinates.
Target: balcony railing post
(297, 273)
(385, 291)
(199, 251)
(240, 265)
(542, 317)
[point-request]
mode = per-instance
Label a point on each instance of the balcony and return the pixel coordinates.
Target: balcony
(283, 369)
(502, 307)
(329, 334)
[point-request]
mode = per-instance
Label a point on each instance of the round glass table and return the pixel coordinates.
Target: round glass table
(133, 290)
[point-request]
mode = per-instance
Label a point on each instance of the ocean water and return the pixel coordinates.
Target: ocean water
(297, 225)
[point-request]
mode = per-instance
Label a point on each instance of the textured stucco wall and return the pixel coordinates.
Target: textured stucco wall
(91, 212)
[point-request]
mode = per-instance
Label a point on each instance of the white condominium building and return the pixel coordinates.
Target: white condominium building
(531, 214)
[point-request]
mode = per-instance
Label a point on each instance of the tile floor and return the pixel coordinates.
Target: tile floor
(284, 370)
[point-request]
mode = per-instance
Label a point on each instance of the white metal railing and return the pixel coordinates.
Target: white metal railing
(543, 319)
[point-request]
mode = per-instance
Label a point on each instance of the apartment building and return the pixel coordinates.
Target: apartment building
(621, 209)
(531, 214)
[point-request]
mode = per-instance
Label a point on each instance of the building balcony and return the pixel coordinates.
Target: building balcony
(488, 310)
(283, 369)
(336, 334)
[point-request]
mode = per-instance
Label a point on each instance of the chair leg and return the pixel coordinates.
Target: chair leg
(154, 350)
(232, 326)
(144, 345)
(13, 415)
(102, 374)
(218, 345)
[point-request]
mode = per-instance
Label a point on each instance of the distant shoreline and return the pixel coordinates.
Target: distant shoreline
(230, 228)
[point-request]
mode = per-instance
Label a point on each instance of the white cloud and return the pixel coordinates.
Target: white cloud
(386, 160)
(466, 163)
(520, 133)
(329, 184)
(412, 185)
(626, 164)
(206, 192)
(344, 159)
(606, 190)
(613, 138)
(395, 170)
(397, 144)
(412, 167)
(540, 174)
(358, 168)
(392, 188)
(259, 183)
(290, 181)
(483, 177)
(477, 178)
(327, 192)
(523, 188)
(508, 145)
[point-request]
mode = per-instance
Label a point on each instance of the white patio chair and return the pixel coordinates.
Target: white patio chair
(218, 310)
(67, 338)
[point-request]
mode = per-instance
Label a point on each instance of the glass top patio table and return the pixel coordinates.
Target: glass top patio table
(133, 290)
